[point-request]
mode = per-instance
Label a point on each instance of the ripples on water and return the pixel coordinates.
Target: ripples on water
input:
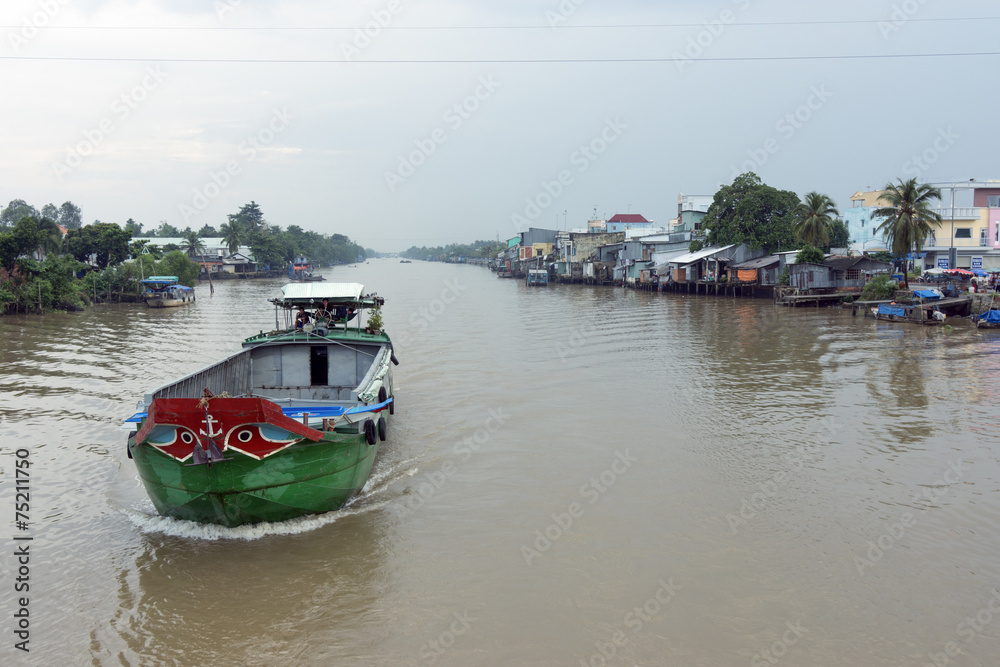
(839, 425)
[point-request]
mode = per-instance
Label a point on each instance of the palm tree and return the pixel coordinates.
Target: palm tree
(232, 234)
(813, 219)
(50, 238)
(193, 245)
(908, 217)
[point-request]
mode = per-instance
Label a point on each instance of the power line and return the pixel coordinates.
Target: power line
(609, 26)
(501, 61)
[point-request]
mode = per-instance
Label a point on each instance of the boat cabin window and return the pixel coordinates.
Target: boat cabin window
(319, 365)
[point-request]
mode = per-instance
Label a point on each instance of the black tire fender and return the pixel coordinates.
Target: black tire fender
(371, 437)
(381, 429)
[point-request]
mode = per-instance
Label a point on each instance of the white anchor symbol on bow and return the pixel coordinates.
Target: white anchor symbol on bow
(210, 421)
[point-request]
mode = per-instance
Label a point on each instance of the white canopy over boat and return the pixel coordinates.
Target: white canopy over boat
(319, 291)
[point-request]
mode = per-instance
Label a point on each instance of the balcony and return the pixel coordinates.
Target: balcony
(961, 212)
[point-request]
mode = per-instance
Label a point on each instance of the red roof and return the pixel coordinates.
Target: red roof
(628, 217)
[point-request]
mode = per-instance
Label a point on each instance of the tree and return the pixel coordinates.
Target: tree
(50, 238)
(232, 234)
(251, 217)
(193, 245)
(840, 235)
(70, 215)
(270, 250)
(207, 231)
(748, 211)
(176, 263)
(16, 210)
(907, 217)
(105, 240)
(166, 230)
(810, 254)
(133, 227)
(21, 239)
(50, 211)
(813, 219)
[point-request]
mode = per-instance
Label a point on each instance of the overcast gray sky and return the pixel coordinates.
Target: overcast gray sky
(407, 153)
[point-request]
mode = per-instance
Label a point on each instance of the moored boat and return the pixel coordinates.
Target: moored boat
(300, 270)
(537, 277)
(988, 320)
(166, 292)
(917, 314)
(286, 427)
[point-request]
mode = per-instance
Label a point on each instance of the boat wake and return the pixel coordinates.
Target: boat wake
(146, 519)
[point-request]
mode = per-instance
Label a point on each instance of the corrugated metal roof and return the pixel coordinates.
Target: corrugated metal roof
(663, 259)
(319, 291)
(758, 263)
(701, 254)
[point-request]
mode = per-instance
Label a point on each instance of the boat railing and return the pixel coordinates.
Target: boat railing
(232, 375)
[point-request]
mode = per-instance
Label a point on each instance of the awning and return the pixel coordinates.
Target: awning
(693, 257)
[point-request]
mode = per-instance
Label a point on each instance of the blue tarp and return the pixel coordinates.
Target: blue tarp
(889, 309)
(991, 316)
(926, 294)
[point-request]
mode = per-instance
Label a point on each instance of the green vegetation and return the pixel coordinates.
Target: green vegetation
(810, 254)
(840, 236)
(907, 218)
(813, 219)
(375, 319)
(879, 288)
(696, 245)
(748, 211)
(41, 269)
(451, 253)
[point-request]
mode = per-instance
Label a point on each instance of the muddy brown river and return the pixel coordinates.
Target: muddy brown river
(574, 476)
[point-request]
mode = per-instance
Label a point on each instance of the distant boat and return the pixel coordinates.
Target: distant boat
(300, 271)
(166, 292)
(405, 261)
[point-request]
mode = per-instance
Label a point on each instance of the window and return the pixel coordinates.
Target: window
(993, 201)
(982, 236)
(852, 274)
(963, 233)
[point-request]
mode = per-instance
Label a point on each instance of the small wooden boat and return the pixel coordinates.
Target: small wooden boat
(166, 292)
(537, 278)
(286, 427)
(916, 314)
(300, 270)
(988, 320)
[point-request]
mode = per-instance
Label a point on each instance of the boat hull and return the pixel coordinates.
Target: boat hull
(168, 303)
(305, 478)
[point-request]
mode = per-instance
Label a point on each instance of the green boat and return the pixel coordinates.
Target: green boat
(288, 426)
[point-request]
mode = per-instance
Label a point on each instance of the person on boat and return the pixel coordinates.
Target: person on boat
(344, 314)
(301, 317)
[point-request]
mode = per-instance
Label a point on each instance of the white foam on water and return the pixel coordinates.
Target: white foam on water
(144, 516)
(149, 522)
